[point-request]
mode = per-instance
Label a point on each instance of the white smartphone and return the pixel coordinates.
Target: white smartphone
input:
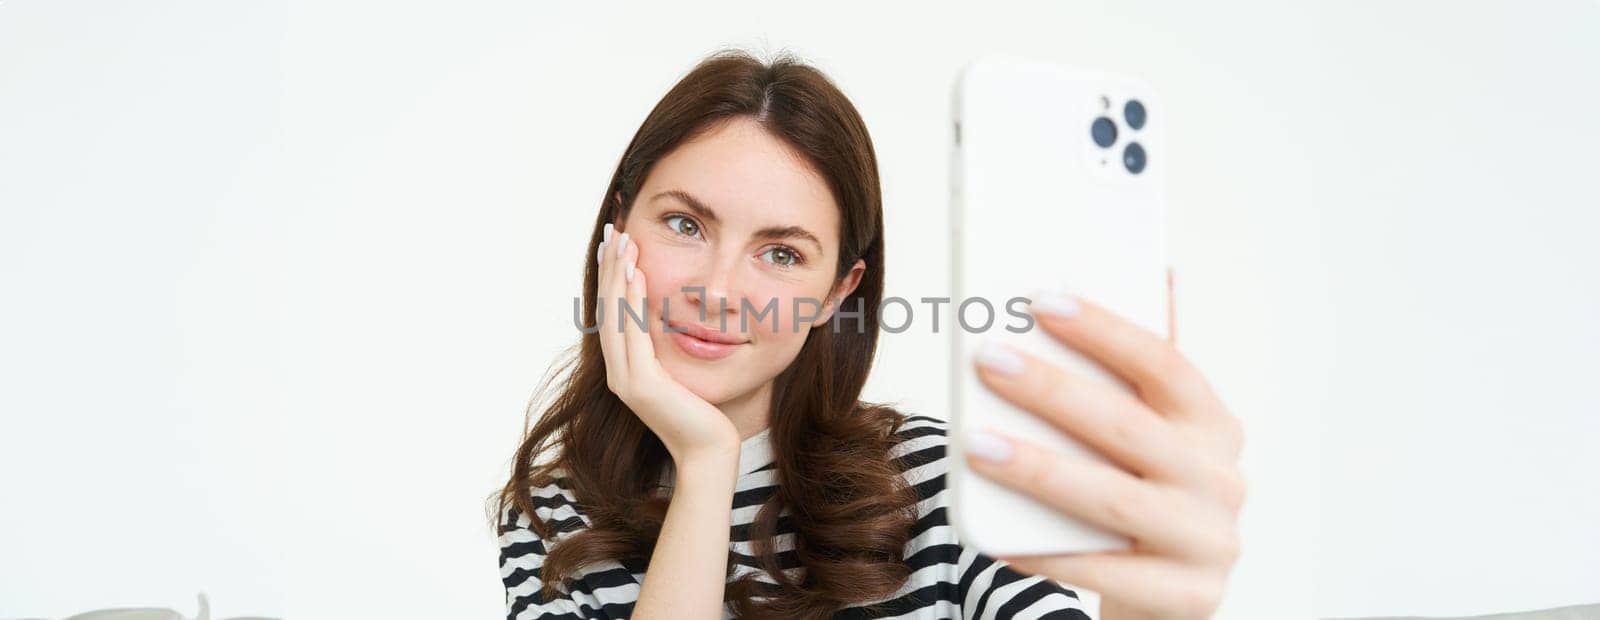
(1056, 183)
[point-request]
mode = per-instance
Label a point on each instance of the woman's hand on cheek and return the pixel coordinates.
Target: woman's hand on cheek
(1177, 492)
(688, 425)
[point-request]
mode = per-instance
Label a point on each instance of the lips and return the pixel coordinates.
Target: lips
(707, 334)
(703, 343)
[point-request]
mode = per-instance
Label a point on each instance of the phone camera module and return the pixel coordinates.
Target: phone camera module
(1104, 132)
(1133, 112)
(1133, 158)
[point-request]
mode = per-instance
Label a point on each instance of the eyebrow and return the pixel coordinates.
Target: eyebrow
(708, 214)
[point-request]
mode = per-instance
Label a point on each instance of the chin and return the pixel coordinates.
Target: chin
(707, 383)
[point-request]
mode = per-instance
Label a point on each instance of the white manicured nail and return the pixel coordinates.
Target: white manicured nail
(622, 245)
(600, 252)
(630, 272)
(607, 236)
(988, 446)
(1056, 303)
(1000, 358)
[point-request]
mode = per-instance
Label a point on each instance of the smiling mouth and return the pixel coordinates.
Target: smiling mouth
(701, 343)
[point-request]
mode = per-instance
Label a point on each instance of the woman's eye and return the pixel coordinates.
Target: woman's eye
(783, 256)
(685, 226)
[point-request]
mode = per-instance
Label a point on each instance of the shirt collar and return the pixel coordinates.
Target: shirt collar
(755, 452)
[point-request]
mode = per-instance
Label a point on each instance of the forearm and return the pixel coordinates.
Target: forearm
(688, 568)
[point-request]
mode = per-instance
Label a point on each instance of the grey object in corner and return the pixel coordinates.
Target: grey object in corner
(152, 613)
(1574, 612)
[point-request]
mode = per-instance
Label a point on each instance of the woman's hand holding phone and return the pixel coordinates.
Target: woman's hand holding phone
(1178, 492)
(687, 424)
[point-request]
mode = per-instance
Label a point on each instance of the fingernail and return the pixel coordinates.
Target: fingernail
(600, 252)
(608, 232)
(622, 245)
(1056, 303)
(1000, 358)
(630, 272)
(988, 446)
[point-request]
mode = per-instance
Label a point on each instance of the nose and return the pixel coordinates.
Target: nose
(717, 295)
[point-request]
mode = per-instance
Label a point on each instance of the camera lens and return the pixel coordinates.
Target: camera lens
(1104, 132)
(1133, 157)
(1133, 111)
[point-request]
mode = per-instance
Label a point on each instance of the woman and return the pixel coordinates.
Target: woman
(748, 190)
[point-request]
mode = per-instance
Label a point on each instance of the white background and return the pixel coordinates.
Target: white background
(278, 279)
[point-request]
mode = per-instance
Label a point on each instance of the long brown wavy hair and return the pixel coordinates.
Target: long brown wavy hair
(851, 509)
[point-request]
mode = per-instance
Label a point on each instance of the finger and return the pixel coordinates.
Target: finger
(637, 336)
(1172, 310)
(1161, 375)
(1160, 587)
(1158, 517)
(612, 343)
(1110, 421)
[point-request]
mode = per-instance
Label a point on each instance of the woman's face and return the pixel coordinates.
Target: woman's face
(729, 225)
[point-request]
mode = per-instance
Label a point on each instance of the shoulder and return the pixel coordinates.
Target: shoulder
(522, 548)
(914, 425)
(553, 503)
(597, 590)
(920, 447)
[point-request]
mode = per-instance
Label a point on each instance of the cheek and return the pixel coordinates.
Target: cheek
(788, 299)
(667, 274)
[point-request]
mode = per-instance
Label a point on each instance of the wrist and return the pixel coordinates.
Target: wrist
(718, 460)
(711, 446)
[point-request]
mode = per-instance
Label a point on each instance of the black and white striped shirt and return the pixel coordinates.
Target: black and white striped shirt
(948, 580)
